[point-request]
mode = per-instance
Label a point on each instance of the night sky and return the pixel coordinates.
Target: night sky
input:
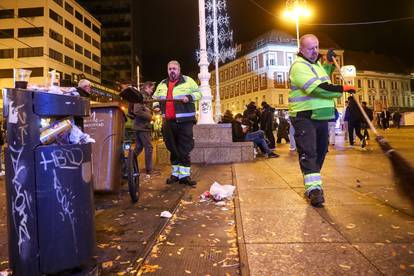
(170, 28)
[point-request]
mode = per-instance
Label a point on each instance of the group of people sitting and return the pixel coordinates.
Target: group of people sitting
(254, 126)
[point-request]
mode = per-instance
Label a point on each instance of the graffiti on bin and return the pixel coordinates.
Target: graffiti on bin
(21, 199)
(19, 116)
(65, 196)
(69, 159)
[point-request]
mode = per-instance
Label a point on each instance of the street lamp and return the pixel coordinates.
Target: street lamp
(294, 10)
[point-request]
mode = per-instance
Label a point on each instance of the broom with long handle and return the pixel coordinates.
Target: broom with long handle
(403, 170)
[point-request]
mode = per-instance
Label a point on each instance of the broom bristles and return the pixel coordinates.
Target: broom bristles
(403, 170)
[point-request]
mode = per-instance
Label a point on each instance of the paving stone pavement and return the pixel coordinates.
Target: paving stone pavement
(365, 228)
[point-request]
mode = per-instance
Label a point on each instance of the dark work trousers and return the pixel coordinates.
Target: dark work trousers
(311, 137)
(143, 141)
(269, 135)
(178, 138)
(364, 128)
(354, 125)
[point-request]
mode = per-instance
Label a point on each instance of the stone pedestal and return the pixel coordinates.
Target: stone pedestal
(213, 145)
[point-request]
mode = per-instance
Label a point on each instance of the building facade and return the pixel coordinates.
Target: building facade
(260, 73)
(120, 37)
(45, 35)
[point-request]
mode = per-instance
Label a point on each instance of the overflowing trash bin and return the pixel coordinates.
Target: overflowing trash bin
(50, 210)
(106, 126)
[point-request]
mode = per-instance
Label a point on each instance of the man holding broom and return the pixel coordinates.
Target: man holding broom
(311, 106)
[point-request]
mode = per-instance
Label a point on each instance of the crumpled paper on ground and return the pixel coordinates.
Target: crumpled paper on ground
(221, 192)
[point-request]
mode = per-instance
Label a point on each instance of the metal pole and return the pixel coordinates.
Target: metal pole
(205, 106)
(217, 114)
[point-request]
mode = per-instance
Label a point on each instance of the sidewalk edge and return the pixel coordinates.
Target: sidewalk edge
(244, 262)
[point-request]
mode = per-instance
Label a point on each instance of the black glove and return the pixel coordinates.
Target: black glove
(330, 55)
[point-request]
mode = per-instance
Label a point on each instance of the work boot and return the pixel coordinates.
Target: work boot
(272, 155)
(363, 143)
(172, 179)
(187, 181)
(316, 198)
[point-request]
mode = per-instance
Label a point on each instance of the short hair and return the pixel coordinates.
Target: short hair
(364, 102)
(147, 84)
(306, 36)
(238, 116)
(83, 82)
(174, 62)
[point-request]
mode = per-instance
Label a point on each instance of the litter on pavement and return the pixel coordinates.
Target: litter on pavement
(165, 214)
(221, 192)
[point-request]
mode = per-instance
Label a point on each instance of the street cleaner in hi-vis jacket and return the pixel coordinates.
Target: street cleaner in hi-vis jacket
(177, 95)
(311, 106)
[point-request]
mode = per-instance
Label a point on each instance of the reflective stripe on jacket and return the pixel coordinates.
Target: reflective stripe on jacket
(304, 78)
(185, 87)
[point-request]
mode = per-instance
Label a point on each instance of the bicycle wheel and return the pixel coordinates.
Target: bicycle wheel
(133, 176)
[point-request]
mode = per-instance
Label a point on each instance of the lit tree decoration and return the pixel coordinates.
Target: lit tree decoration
(219, 41)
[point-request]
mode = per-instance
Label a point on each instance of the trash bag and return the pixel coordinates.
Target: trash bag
(221, 192)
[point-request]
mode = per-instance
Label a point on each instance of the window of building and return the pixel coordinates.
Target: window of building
(242, 68)
(68, 8)
(263, 81)
(290, 58)
(255, 83)
(243, 87)
(87, 22)
(78, 32)
(30, 12)
(249, 85)
(87, 53)
(254, 62)
(236, 70)
(249, 65)
(370, 100)
(87, 69)
(69, 43)
(272, 59)
(55, 55)
(78, 65)
(69, 26)
(36, 71)
(59, 2)
(9, 13)
(371, 84)
(56, 36)
(30, 52)
(30, 32)
(96, 29)
(339, 100)
(281, 99)
(55, 16)
(7, 53)
(237, 91)
(6, 33)
(96, 58)
(359, 83)
(6, 73)
(96, 44)
(79, 16)
(226, 74)
(231, 91)
(69, 61)
(96, 73)
(79, 49)
(87, 38)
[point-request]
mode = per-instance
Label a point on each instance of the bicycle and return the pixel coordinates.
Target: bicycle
(130, 169)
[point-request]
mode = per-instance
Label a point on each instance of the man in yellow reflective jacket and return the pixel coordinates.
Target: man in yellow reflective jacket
(311, 105)
(178, 94)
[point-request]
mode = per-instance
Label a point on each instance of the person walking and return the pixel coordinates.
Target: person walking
(142, 126)
(354, 123)
(396, 118)
(364, 124)
(385, 119)
(177, 95)
(345, 120)
(311, 105)
(266, 123)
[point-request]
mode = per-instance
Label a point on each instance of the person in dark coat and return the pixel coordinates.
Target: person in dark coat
(253, 114)
(240, 133)
(396, 118)
(266, 123)
(364, 124)
(354, 123)
(385, 118)
(227, 117)
(283, 130)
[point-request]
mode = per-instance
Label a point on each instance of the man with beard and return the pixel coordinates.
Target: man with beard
(311, 106)
(177, 95)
